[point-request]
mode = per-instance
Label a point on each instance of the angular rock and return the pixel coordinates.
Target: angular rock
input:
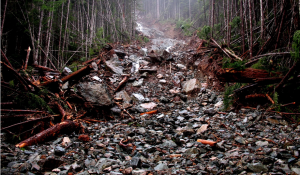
(123, 94)
(59, 151)
(138, 83)
(261, 143)
(150, 105)
(161, 166)
(115, 65)
(95, 66)
(210, 112)
(95, 93)
(192, 86)
(191, 151)
(202, 129)
(139, 172)
(120, 53)
(240, 140)
(139, 97)
(169, 144)
(135, 162)
(257, 167)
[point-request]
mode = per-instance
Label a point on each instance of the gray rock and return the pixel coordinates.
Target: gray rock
(138, 83)
(95, 93)
(59, 151)
(296, 170)
(67, 71)
(95, 66)
(84, 173)
(120, 53)
(240, 140)
(191, 151)
(65, 86)
(135, 162)
(139, 172)
(163, 99)
(169, 144)
(115, 173)
(139, 97)
(123, 94)
(257, 167)
(161, 166)
(192, 86)
(210, 112)
(115, 65)
(261, 143)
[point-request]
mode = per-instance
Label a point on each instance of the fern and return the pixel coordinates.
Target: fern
(296, 45)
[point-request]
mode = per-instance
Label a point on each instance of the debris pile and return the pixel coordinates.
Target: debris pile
(133, 110)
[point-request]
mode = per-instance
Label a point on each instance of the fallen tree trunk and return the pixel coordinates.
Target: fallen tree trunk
(48, 133)
(246, 76)
(75, 74)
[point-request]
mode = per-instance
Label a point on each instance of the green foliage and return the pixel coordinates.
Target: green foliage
(185, 26)
(228, 99)
(237, 65)
(146, 40)
(33, 101)
(11, 83)
(296, 45)
(260, 64)
(204, 33)
(235, 22)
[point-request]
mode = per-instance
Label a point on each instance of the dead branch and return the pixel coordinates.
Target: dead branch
(5, 58)
(28, 121)
(125, 79)
(286, 76)
(248, 75)
(270, 99)
(61, 111)
(147, 70)
(220, 47)
(257, 58)
(44, 68)
(48, 133)
(120, 106)
(74, 74)
(21, 110)
(27, 57)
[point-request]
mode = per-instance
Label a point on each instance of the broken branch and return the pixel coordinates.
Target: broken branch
(50, 132)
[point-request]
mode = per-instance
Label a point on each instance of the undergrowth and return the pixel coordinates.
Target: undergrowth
(237, 65)
(228, 98)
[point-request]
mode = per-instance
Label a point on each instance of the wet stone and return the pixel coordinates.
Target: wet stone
(135, 162)
(240, 140)
(59, 151)
(161, 166)
(169, 144)
(257, 167)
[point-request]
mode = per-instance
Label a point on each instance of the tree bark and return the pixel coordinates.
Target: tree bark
(251, 33)
(242, 26)
(262, 21)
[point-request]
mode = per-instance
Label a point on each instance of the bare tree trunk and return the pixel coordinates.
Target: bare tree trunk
(35, 55)
(251, 33)
(242, 26)
(212, 18)
(60, 33)
(65, 35)
(262, 23)
(228, 25)
(48, 37)
(3, 16)
(157, 9)
(190, 13)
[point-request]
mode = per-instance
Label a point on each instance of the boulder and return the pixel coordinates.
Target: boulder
(95, 93)
(192, 86)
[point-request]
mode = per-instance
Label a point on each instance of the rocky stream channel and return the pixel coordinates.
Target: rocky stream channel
(169, 140)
